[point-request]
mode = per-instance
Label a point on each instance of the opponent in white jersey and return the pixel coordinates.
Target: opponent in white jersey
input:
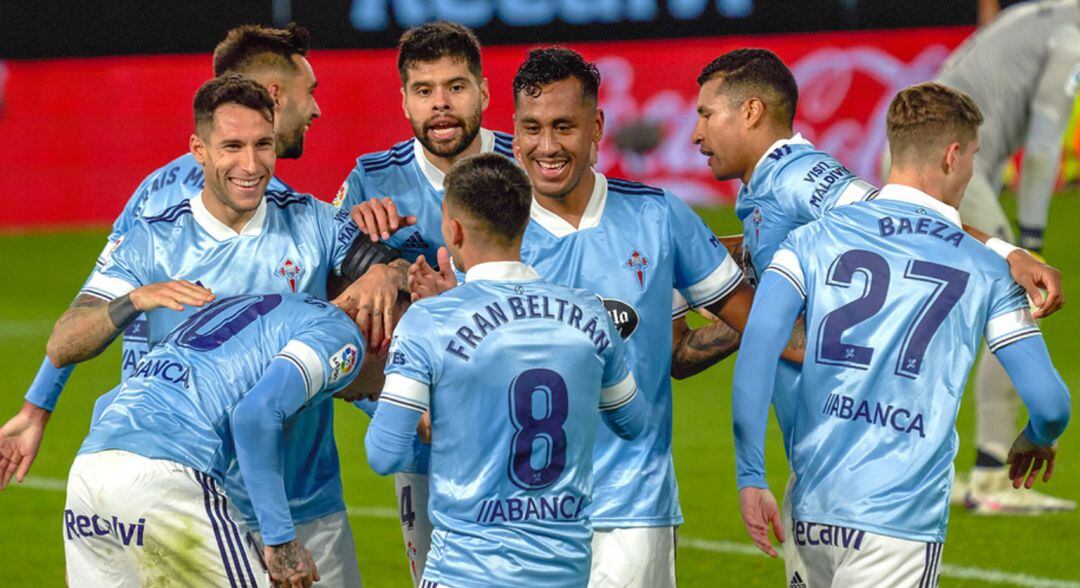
(1023, 70)
(897, 299)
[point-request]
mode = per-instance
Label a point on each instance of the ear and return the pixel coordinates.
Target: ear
(457, 233)
(404, 104)
(952, 158)
(753, 112)
(516, 146)
(485, 94)
(277, 94)
(198, 149)
(598, 130)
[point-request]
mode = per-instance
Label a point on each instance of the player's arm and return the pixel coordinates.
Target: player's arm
(389, 438)
(1049, 117)
(778, 303)
(257, 429)
(1028, 271)
(1017, 343)
(695, 350)
(622, 409)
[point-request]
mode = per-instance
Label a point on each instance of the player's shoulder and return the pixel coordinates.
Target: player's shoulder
(167, 217)
(387, 161)
(288, 199)
(167, 186)
(636, 197)
(631, 188)
(504, 144)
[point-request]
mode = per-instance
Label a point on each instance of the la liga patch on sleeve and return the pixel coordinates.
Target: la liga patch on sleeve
(342, 363)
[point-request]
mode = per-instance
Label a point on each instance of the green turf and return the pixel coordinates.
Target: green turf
(42, 271)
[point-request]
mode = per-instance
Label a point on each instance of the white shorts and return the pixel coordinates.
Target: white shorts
(134, 521)
(412, 501)
(634, 557)
(792, 559)
(830, 555)
(330, 541)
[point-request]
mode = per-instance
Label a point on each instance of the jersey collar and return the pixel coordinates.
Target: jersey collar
(219, 230)
(594, 210)
(435, 175)
(917, 197)
(796, 139)
(502, 271)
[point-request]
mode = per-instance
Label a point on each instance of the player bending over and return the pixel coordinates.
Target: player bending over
(897, 299)
(144, 498)
(534, 362)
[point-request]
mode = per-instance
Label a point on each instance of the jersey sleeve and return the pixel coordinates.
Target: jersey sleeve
(786, 264)
(1008, 315)
(617, 387)
(126, 265)
(126, 219)
(338, 231)
(811, 185)
(411, 364)
(704, 272)
(351, 192)
(327, 351)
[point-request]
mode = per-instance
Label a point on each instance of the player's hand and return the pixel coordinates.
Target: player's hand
(371, 300)
(290, 565)
(759, 511)
(172, 295)
(425, 281)
(423, 428)
(20, 439)
(379, 218)
(1035, 276)
(1026, 459)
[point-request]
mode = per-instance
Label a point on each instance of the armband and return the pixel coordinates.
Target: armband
(364, 253)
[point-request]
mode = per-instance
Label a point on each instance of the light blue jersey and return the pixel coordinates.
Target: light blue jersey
(898, 300)
(404, 175)
(793, 184)
(176, 404)
(633, 245)
(514, 370)
(291, 244)
(179, 180)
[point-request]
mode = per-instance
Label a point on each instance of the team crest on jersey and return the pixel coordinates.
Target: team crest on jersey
(342, 192)
(342, 363)
(757, 219)
(291, 271)
(638, 263)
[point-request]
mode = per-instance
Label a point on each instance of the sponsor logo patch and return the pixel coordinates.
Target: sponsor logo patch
(343, 362)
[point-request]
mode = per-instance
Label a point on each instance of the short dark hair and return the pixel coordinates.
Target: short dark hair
(929, 114)
(230, 89)
(554, 64)
(435, 40)
(248, 48)
(493, 191)
(756, 71)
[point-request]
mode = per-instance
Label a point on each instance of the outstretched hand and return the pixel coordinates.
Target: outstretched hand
(759, 511)
(1026, 459)
(379, 218)
(20, 439)
(425, 281)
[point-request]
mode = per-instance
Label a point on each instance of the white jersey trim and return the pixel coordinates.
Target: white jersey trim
(616, 396)
(679, 305)
(308, 362)
(856, 191)
(902, 193)
(1010, 327)
(594, 211)
(786, 264)
(434, 175)
(106, 287)
(716, 286)
(219, 230)
(406, 393)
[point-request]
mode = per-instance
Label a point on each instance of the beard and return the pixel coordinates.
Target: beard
(290, 144)
(470, 128)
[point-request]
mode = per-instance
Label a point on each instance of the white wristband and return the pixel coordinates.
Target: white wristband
(1001, 247)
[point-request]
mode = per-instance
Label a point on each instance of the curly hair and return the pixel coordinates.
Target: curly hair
(554, 64)
(435, 40)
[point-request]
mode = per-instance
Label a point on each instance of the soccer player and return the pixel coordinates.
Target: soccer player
(897, 298)
(1023, 70)
(231, 239)
(144, 501)
(444, 95)
(508, 499)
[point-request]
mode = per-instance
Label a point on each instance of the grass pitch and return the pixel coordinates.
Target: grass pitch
(43, 271)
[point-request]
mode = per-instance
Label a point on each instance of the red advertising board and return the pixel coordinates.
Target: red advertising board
(80, 134)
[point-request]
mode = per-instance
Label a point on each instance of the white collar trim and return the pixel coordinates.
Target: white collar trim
(594, 211)
(435, 175)
(917, 197)
(219, 230)
(501, 271)
(797, 139)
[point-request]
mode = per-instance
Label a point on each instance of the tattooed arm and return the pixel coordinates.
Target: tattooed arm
(697, 349)
(290, 564)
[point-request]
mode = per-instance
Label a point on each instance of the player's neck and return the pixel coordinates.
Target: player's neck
(571, 207)
(443, 164)
(474, 256)
(928, 183)
(230, 217)
(760, 143)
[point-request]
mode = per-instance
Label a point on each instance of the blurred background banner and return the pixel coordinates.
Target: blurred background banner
(84, 132)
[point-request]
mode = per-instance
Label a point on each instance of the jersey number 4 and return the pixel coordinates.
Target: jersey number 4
(948, 285)
(538, 408)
